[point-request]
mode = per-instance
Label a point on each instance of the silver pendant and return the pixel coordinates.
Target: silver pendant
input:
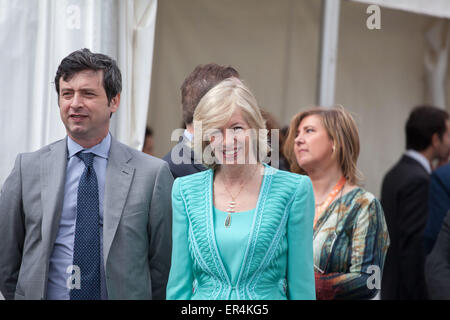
(230, 210)
(228, 221)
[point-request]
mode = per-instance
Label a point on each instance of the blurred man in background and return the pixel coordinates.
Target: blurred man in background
(195, 86)
(404, 197)
(148, 141)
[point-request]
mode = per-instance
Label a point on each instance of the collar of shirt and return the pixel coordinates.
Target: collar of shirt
(100, 150)
(420, 158)
(188, 135)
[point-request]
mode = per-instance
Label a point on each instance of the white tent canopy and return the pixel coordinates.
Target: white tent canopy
(435, 59)
(436, 67)
(437, 37)
(36, 34)
(437, 8)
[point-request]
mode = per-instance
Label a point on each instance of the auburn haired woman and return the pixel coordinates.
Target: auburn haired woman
(350, 232)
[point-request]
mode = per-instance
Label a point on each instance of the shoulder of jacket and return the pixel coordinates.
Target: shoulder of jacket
(289, 179)
(44, 149)
(194, 180)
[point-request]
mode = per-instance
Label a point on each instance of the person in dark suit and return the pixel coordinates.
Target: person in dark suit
(404, 197)
(437, 267)
(181, 158)
(439, 205)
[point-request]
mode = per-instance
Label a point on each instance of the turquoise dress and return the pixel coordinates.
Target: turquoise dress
(232, 241)
(267, 253)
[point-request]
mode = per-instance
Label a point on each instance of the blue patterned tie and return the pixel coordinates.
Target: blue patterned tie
(86, 251)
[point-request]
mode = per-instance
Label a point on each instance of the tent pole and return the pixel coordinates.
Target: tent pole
(328, 52)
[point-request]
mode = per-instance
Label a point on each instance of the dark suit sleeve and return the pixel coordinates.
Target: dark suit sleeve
(412, 215)
(160, 231)
(437, 269)
(12, 231)
(172, 167)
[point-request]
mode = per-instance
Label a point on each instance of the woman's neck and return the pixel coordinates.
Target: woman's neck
(237, 172)
(324, 179)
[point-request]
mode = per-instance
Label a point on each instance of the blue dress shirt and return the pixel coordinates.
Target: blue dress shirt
(62, 255)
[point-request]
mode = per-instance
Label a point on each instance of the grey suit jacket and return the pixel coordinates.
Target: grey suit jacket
(136, 229)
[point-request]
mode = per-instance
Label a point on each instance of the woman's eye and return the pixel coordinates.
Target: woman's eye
(237, 129)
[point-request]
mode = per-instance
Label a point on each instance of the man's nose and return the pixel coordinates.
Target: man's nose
(77, 101)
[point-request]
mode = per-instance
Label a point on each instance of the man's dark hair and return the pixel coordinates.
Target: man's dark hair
(423, 122)
(84, 59)
(199, 82)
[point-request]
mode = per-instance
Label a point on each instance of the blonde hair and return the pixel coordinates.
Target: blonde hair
(218, 105)
(342, 130)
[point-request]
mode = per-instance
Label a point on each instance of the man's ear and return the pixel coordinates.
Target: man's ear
(115, 102)
(435, 140)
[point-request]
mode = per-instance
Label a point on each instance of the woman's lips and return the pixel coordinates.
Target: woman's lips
(231, 153)
(300, 149)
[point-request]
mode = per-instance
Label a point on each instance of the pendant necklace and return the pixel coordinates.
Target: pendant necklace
(232, 203)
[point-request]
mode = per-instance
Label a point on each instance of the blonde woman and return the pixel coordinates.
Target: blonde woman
(241, 230)
(350, 233)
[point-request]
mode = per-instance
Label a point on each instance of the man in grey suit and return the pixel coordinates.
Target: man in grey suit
(86, 217)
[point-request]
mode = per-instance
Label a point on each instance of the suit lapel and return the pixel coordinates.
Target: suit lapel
(119, 175)
(53, 172)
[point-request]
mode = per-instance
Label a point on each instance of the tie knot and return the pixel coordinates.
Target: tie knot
(88, 158)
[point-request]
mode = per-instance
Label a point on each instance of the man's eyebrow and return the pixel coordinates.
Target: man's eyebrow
(82, 89)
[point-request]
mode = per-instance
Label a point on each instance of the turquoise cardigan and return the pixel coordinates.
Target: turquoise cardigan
(278, 262)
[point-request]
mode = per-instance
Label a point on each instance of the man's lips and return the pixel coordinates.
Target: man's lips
(77, 117)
